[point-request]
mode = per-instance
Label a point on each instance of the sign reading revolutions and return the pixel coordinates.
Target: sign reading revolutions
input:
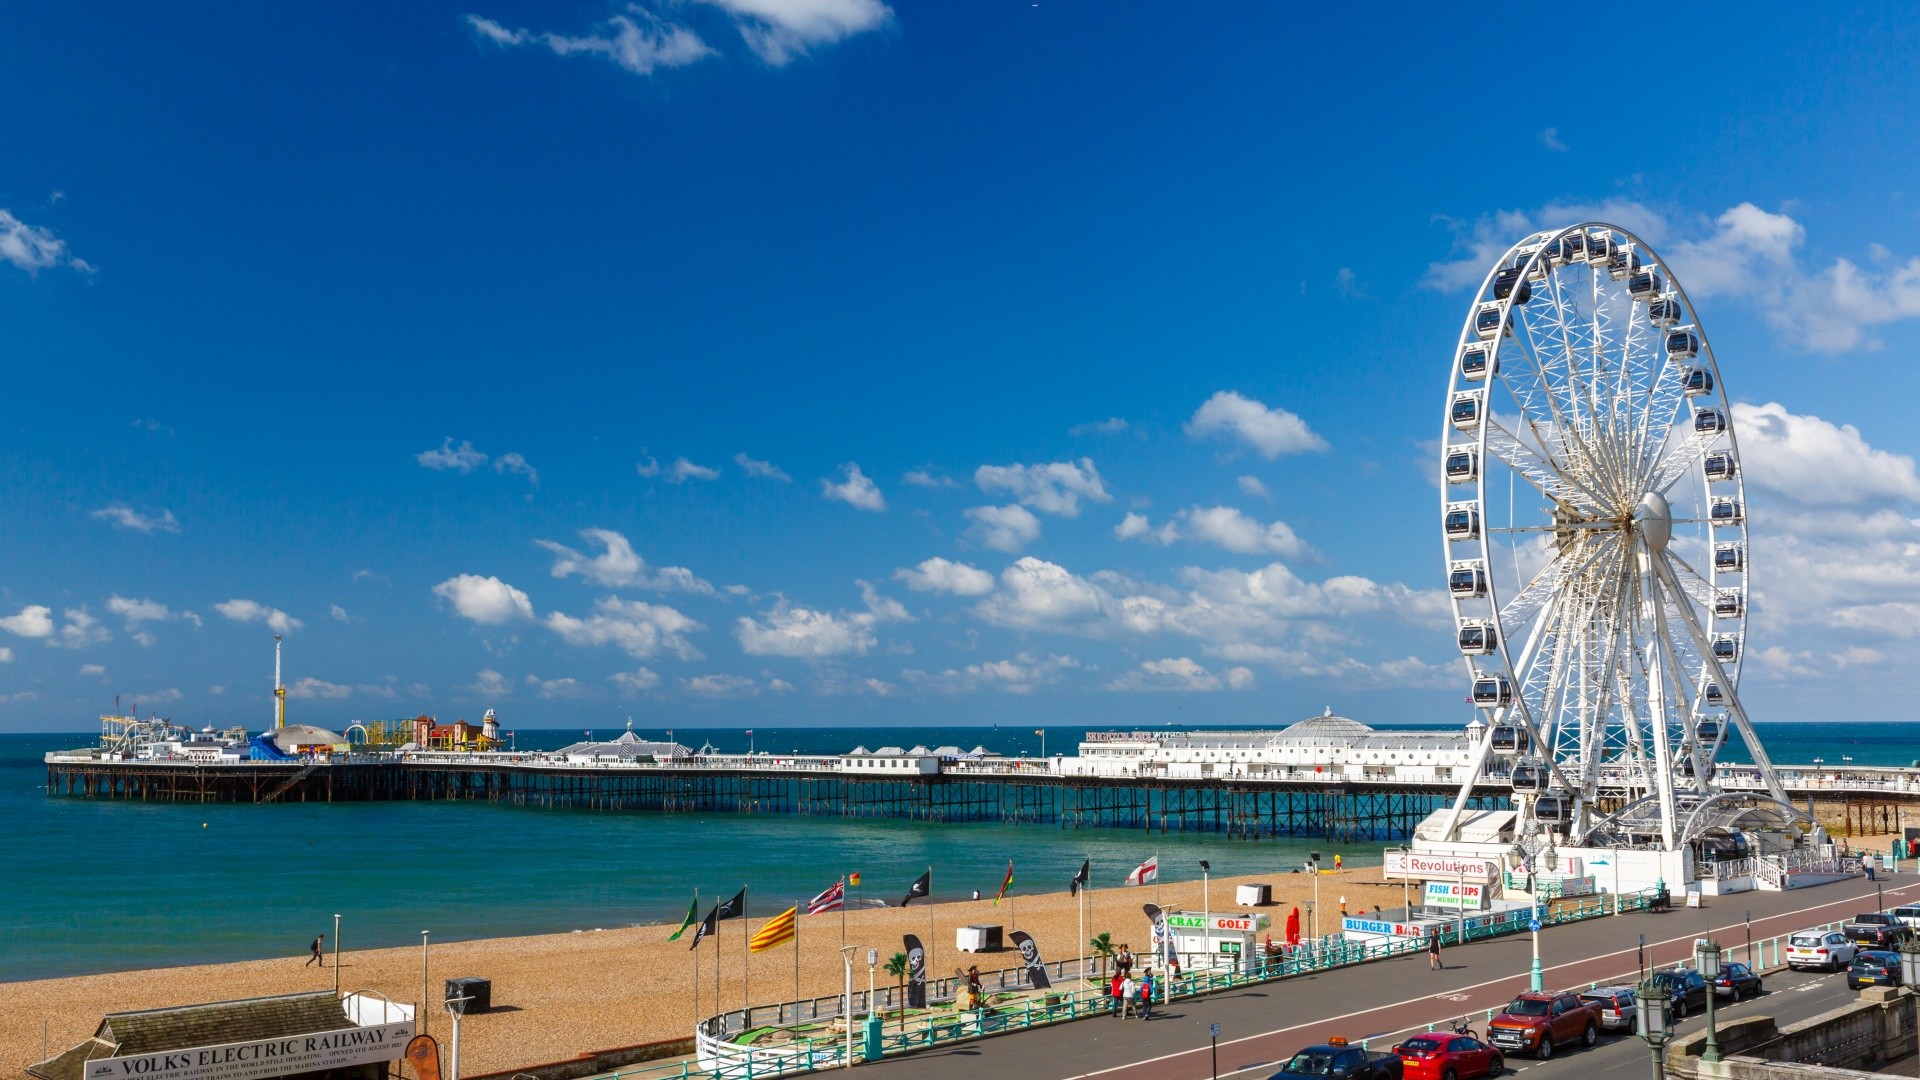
(1413, 864)
(317, 1052)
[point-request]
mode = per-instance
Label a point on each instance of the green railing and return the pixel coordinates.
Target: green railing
(941, 1024)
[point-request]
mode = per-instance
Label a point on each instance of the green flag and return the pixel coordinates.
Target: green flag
(693, 912)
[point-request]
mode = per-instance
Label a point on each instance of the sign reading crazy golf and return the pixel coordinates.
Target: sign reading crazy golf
(1413, 864)
(261, 1058)
(1244, 924)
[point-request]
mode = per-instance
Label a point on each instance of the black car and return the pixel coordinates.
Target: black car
(1686, 990)
(1873, 967)
(1736, 981)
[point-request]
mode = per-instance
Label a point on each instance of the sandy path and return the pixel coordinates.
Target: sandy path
(561, 994)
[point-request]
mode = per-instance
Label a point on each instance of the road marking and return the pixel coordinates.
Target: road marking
(1691, 936)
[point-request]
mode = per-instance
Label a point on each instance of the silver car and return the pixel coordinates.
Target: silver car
(1618, 1012)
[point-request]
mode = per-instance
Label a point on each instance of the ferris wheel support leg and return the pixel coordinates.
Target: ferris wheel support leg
(1656, 697)
(1700, 642)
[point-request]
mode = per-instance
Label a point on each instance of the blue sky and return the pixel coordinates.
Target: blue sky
(824, 361)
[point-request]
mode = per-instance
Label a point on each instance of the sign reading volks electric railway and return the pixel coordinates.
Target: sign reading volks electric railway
(262, 1058)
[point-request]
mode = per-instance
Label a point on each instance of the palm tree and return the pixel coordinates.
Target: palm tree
(897, 967)
(1102, 946)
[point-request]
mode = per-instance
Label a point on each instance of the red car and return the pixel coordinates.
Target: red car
(1440, 1056)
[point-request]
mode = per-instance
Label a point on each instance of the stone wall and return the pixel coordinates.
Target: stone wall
(596, 1062)
(1877, 1028)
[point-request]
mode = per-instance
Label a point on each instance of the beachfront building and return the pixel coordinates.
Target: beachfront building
(314, 1036)
(1324, 747)
(627, 749)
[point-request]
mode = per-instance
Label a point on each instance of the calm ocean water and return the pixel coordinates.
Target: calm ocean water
(100, 886)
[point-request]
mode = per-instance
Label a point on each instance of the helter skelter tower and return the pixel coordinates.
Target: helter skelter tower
(1594, 523)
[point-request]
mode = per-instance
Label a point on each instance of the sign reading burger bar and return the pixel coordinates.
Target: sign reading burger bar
(261, 1058)
(1419, 866)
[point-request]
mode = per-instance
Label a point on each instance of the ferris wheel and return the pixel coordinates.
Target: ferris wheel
(1594, 522)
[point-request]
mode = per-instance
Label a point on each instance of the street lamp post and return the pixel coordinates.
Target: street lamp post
(846, 957)
(1652, 1020)
(426, 1002)
(336, 954)
(1313, 863)
(1206, 909)
(1707, 959)
(456, 1008)
(1537, 976)
(1406, 887)
(873, 957)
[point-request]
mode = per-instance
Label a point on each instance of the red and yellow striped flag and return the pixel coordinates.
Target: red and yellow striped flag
(778, 931)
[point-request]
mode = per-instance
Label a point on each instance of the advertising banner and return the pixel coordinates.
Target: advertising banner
(317, 1052)
(1451, 894)
(1413, 864)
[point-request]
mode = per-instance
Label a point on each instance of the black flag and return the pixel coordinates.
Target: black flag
(1080, 879)
(922, 886)
(733, 908)
(916, 972)
(1030, 953)
(707, 926)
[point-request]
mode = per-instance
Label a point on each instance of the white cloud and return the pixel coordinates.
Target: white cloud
(939, 575)
(33, 248)
(1550, 138)
(485, 600)
(1036, 595)
(33, 621)
(882, 608)
(619, 566)
(927, 478)
(1054, 488)
(1022, 674)
(765, 470)
(1227, 527)
(80, 630)
(6, 657)
(126, 517)
(1251, 485)
(318, 688)
(1180, 674)
(1002, 528)
(856, 490)
(635, 627)
(780, 686)
(250, 611)
(1112, 425)
(722, 686)
(803, 632)
(679, 472)
(1221, 526)
(633, 682)
(338, 613)
(1817, 463)
(637, 40)
(489, 683)
(550, 689)
(519, 466)
(91, 669)
(779, 30)
(1745, 253)
(461, 459)
(139, 611)
(1272, 432)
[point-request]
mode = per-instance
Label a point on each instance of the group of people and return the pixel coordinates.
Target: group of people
(1125, 994)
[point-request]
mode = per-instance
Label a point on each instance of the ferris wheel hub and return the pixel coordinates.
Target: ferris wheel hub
(1654, 518)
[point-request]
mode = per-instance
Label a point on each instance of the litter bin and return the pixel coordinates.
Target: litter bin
(871, 1038)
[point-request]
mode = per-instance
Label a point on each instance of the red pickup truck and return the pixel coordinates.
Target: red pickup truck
(1535, 1023)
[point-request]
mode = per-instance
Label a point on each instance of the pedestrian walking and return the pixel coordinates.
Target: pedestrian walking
(1129, 994)
(1124, 960)
(318, 957)
(1116, 993)
(1336, 860)
(1146, 994)
(1433, 951)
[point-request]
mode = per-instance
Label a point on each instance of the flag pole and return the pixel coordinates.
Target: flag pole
(696, 964)
(1156, 877)
(930, 932)
(1080, 949)
(798, 904)
(746, 945)
(843, 911)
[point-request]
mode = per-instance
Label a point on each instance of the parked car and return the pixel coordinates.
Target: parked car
(1686, 991)
(1908, 916)
(1873, 967)
(1335, 1058)
(1828, 949)
(1440, 1056)
(1535, 1023)
(1618, 1010)
(1875, 930)
(1736, 981)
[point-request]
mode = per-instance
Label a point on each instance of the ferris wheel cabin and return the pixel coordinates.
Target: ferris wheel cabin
(1644, 285)
(1528, 777)
(1487, 322)
(1727, 604)
(1709, 422)
(1509, 740)
(1665, 311)
(1509, 283)
(1467, 581)
(1476, 363)
(1462, 522)
(1492, 692)
(1479, 638)
(1696, 382)
(1721, 466)
(1623, 262)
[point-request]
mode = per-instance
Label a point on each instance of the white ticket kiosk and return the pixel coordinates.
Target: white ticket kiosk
(1222, 939)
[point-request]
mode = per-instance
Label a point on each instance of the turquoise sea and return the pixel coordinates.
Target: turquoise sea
(99, 886)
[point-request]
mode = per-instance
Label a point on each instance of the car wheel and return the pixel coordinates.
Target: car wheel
(1679, 1008)
(1546, 1047)
(1499, 1065)
(1590, 1036)
(1449, 1075)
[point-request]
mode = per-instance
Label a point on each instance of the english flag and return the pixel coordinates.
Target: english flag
(1145, 872)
